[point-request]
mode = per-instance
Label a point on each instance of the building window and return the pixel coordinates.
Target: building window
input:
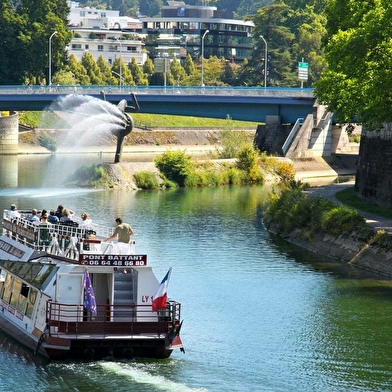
(100, 48)
(110, 61)
(76, 46)
(86, 47)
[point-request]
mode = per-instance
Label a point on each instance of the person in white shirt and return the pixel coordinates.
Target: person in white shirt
(12, 213)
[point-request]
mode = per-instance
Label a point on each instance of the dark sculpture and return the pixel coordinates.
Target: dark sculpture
(128, 123)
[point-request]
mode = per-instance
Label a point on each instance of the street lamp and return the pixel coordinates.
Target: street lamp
(202, 57)
(265, 61)
(119, 41)
(50, 57)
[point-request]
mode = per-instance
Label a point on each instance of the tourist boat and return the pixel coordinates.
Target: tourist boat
(64, 293)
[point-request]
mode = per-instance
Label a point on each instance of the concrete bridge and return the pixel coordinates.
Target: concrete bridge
(247, 104)
(295, 125)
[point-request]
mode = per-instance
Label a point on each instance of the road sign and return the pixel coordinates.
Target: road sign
(162, 65)
(303, 71)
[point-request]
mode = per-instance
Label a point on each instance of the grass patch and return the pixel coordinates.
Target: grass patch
(144, 120)
(349, 197)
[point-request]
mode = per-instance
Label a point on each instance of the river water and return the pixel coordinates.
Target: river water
(259, 314)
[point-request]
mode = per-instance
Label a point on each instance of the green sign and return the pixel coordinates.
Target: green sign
(303, 71)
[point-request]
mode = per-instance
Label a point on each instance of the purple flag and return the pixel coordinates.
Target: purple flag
(89, 297)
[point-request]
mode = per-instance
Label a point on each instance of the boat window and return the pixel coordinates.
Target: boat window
(16, 287)
(7, 288)
(2, 280)
(31, 301)
(42, 275)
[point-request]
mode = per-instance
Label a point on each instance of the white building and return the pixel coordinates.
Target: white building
(106, 33)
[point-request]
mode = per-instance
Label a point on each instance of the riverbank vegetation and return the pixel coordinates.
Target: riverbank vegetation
(292, 209)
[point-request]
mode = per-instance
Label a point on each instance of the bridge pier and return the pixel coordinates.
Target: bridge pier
(9, 130)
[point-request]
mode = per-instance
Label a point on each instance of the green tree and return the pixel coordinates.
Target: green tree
(189, 65)
(78, 70)
(272, 23)
(150, 7)
(25, 28)
(137, 73)
(93, 71)
(358, 83)
(148, 69)
(106, 71)
(177, 71)
(127, 79)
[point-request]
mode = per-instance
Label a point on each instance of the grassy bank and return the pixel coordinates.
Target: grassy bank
(154, 121)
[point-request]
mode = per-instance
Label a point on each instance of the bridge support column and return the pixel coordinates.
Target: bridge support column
(9, 128)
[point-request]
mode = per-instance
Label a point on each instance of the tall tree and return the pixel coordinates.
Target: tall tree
(25, 29)
(137, 73)
(106, 71)
(272, 23)
(93, 71)
(358, 84)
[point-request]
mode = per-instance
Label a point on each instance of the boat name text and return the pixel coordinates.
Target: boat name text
(11, 250)
(114, 260)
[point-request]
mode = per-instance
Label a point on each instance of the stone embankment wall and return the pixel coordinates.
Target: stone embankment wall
(350, 249)
(374, 168)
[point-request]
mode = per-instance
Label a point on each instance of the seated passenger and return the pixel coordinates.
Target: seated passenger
(52, 218)
(59, 211)
(12, 213)
(65, 217)
(44, 219)
(86, 220)
(33, 218)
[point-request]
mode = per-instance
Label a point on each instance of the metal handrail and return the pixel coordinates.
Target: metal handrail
(292, 134)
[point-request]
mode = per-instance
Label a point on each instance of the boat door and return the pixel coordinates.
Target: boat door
(69, 291)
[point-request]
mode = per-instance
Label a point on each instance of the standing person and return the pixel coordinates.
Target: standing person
(122, 230)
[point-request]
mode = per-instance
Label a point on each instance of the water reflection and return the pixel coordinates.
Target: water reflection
(9, 171)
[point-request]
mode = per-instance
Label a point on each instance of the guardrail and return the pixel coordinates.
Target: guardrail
(159, 90)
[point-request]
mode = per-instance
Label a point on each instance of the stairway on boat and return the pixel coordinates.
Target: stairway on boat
(125, 292)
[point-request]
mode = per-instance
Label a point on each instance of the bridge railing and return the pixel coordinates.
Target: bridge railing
(158, 90)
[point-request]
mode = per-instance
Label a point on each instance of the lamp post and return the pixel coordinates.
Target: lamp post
(265, 61)
(202, 57)
(119, 41)
(50, 57)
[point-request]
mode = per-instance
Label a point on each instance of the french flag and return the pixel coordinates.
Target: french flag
(160, 297)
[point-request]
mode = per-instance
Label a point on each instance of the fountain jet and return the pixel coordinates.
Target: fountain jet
(91, 116)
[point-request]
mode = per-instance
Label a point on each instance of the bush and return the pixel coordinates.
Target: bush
(175, 165)
(285, 171)
(340, 220)
(146, 180)
(293, 209)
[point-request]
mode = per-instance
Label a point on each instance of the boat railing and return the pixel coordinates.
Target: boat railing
(68, 240)
(111, 320)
